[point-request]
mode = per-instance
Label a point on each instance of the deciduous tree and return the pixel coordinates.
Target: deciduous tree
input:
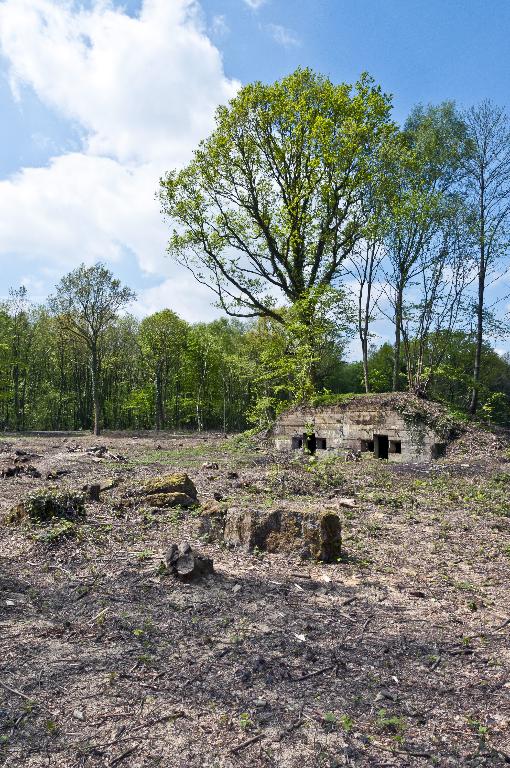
(86, 303)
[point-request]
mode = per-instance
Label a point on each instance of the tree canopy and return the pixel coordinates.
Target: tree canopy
(270, 205)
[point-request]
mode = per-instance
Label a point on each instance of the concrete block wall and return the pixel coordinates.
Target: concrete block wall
(353, 428)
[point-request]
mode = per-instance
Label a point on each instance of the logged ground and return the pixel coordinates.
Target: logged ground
(397, 656)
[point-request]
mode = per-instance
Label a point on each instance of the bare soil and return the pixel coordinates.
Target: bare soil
(397, 656)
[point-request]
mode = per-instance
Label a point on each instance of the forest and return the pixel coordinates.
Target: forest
(229, 375)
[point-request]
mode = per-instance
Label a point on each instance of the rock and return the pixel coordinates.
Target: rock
(350, 503)
(212, 520)
(217, 496)
(250, 528)
(322, 535)
(162, 500)
(176, 483)
(210, 465)
(316, 535)
(175, 490)
(232, 475)
(104, 485)
(186, 563)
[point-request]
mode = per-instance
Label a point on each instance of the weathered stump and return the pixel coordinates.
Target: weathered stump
(185, 563)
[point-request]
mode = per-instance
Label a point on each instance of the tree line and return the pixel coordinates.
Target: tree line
(79, 362)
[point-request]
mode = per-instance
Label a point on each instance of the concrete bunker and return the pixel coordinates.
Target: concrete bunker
(394, 427)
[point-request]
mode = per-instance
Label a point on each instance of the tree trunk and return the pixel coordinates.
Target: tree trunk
(159, 414)
(96, 396)
(364, 316)
(364, 335)
(473, 405)
(398, 326)
(15, 377)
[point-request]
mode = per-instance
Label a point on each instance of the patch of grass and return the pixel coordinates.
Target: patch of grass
(346, 723)
(56, 532)
(393, 723)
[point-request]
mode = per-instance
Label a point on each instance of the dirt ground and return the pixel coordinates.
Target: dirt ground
(398, 655)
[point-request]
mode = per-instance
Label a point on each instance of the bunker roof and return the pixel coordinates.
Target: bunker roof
(412, 408)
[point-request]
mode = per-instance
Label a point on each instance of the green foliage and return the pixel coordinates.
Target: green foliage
(49, 503)
(294, 358)
(388, 722)
(496, 409)
(245, 721)
(271, 200)
(56, 532)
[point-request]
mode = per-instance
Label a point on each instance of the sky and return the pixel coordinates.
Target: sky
(99, 99)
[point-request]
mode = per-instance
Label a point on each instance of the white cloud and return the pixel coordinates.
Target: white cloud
(219, 26)
(255, 4)
(191, 300)
(283, 36)
(143, 90)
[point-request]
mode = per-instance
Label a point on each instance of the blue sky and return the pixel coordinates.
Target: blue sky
(418, 50)
(97, 101)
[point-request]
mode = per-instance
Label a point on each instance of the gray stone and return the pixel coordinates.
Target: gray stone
(310, 534)
(248, 529)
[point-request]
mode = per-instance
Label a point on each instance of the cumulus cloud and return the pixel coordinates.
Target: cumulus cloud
(143, 90)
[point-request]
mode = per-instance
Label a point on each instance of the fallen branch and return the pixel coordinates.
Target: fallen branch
(408, 752)
(245, 744)
(32, 701)
(163, 719)
(125, 754)
(502, 626)
(98, 615)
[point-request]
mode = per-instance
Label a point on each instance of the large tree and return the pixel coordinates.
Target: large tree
(487, 169)
(162, 339)
(270, 205)
(86, 303)
(422, 204)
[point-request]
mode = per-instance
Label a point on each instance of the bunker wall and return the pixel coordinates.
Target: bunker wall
(356, 429)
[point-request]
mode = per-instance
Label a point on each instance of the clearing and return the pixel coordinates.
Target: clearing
(397, 656)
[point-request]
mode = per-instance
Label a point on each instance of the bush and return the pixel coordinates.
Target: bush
(49, 503)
